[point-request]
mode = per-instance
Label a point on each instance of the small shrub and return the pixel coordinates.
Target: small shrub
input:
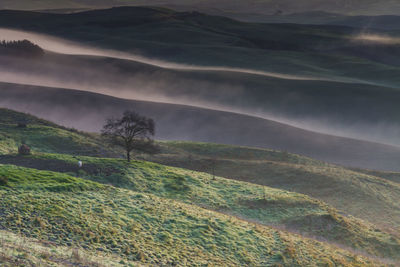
(176, 183)
(165, 237)
(3, 180)
(24, 150)
(45, 255)
(140, 256)
(38, 222)
(22, 125)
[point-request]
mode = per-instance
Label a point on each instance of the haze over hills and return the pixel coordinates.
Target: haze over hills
(271, 140)
(308, 76)
(87, 111)
(317, 93)
(380, 22)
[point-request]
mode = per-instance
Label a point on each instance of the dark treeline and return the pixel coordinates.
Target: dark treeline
(20, 48)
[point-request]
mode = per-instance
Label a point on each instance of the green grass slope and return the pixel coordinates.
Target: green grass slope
(365, 195)
(18, 250)
(260, 204)
(251, 202)
(179, 122)
(146, 228)
(392, 176)
(45, 136)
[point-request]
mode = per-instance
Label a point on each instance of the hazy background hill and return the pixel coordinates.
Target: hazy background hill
(364, 7)
(202, 78)
(87, 111)
(380, 22)
(322, 78)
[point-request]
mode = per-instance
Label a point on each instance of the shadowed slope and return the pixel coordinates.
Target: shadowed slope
(323, 78)
(87, 111)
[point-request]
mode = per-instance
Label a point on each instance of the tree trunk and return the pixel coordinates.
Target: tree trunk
(128, 156)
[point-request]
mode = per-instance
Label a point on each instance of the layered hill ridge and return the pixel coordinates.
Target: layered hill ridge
(88, 111)
(323, 77)
(75, 200)
(383, 22)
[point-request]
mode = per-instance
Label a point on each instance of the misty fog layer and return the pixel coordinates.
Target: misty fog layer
(376, 39)
(87, 111)
(184, 84)
(62, 46)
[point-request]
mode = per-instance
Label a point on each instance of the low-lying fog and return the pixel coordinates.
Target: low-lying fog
(62, 46)
(161, 87)
(376, 39)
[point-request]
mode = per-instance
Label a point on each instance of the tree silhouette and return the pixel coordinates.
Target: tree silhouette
(20, 48)
(132, 131)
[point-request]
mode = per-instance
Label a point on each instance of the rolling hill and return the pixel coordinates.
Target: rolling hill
(70, 211)
(322, 78)
(361, 193)
(156, 32)
(262, 112)
(115, 190)
(88, 111)
(382, 22)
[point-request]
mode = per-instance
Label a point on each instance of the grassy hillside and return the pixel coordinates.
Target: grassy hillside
(339, 187)
(251, 202)
(392, 176)
(146, 228)
(179, 122)
(364, 194)
(260, 204)
(45, 136)
(18, 250)
(272, 209)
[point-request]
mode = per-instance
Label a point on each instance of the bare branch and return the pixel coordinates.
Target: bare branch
(129, 131)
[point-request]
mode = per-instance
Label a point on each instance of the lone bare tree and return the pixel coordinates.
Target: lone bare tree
(132, 131)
